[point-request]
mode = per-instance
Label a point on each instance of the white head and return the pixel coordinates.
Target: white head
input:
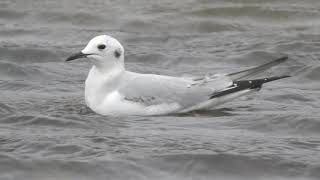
(105, 51)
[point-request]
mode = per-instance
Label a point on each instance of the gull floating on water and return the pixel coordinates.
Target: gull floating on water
(111, 90)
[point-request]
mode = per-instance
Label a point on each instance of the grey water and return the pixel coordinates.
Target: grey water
(47, 132)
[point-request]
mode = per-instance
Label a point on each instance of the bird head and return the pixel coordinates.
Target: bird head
(104, 51)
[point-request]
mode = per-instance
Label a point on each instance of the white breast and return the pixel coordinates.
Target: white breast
(99, 86)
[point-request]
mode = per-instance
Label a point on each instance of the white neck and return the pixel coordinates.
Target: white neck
(101, 81)
(107, 66)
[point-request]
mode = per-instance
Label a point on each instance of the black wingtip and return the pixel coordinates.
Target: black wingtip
(277, 61)
(281, 59)
(246, 84)
(274, 78)
(257, 83)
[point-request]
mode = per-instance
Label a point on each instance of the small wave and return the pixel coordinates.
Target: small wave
(31, 120)
(10, 14)
(209, 26)
(253, 11)
(27, 55)
(302, 73)
(150, 58)
(306, 47)
(313, 73)
(289, 98)
(186, 25)
(210, 165)
(184, 166)
(79, 18)
(14, 71)
(288, 123)
(137, 25)
(5, 109)
(63, 149)
(253, 58)
(260, 16)
(15, 32)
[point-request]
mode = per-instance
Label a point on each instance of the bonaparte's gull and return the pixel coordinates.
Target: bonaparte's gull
(111, 90)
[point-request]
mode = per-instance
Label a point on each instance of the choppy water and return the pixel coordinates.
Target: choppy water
(46, 132)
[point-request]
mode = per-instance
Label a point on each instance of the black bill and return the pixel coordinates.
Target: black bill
(76, 56)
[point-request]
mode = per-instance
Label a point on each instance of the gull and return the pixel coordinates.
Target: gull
(112, 90)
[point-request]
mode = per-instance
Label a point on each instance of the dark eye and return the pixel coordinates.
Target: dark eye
(101, 46)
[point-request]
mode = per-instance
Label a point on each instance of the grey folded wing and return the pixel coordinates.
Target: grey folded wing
(150, 89)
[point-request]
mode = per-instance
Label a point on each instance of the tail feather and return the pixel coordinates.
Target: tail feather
(256, 70)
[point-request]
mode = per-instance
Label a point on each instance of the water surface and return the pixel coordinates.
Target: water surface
(46, 131)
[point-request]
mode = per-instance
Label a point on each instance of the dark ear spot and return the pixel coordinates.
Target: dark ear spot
(117, 53)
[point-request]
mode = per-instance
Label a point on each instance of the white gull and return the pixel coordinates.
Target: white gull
(111, 90)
